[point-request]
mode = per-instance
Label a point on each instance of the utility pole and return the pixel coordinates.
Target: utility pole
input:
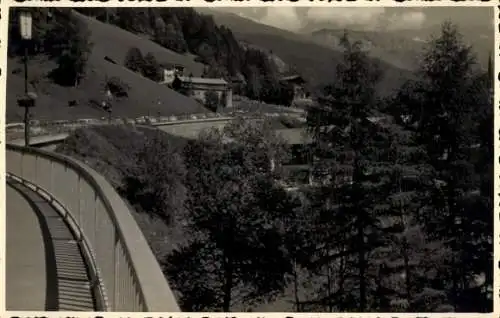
(25, 27)
(26, 108)
(109, 105)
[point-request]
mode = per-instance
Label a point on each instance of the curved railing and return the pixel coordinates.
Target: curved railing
(125, 274)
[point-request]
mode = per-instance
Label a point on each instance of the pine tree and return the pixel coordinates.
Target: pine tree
(135, 20)
(405, 265)
(75, 49)
(235, 211)
(151, 69)
(442, 105)
(134, 60)
(345, 143)
(170, 36)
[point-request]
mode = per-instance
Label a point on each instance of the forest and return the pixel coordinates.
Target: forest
(184, 30)
(64, 38)
(399, 218)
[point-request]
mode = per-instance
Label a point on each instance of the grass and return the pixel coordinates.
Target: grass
(107, 150)
(115, 42)
(145, 96)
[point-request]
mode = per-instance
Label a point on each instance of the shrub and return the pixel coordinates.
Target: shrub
(151, 69)
(212, 100)
(291, 122)
(117, 87)
(134, 60)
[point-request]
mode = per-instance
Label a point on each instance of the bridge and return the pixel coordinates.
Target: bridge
(72, 242)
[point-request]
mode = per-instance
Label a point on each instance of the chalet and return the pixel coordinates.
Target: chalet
(297, 82)
(170, 71)
(238, 80)
(197, 87)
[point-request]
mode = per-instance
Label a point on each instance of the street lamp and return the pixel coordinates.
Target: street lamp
(109, 105)
(25, 24)
(25, 28)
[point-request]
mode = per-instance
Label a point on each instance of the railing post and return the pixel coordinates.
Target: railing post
(116, 261)
(79, 209)
(96, 210)
(22, 164)
(140, 283)
(36, 171)
(51, 176)
(103, 293)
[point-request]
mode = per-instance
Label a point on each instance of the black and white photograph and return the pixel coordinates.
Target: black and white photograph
(250, 159)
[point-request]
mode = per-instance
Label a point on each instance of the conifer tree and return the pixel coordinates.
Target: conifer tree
(71, 44)
(151, 69)
(442, 105)
(134, 60)
(235, 215)
(407, 258)
(346, 143)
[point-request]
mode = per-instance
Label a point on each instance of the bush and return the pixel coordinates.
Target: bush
(134, 60)
(117, 87)
(151, 69)
(144, 166)
(212, 100)
(291, 122)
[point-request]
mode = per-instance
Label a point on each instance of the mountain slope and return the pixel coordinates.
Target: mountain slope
(315, 62)
(398, 51)
(402, 48)
(115, 42)
(145, 96)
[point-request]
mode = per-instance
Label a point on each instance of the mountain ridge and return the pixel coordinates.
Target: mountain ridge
(412, 38)
(313, 61)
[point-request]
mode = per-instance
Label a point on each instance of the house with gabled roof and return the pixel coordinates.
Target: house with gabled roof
(170, 71)
(197, 87)
(297, 82)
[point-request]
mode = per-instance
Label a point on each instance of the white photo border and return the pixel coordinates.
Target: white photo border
(4, 16)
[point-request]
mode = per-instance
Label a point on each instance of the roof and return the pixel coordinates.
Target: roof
(297, 136)
(238, 79)
(294, 136)
(202, 80)
(292, 78)
(171, 65)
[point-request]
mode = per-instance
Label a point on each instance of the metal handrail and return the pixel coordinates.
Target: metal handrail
(133, 280)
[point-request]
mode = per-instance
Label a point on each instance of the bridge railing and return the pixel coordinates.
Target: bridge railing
(126, 275)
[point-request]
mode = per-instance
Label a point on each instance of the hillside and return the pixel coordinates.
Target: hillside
(110, 150)
(189, 33)
(145, 97)
(315, 62)
(115, 42)
(402, 48)
(398, 51)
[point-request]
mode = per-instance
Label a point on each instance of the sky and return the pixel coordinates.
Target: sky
(375, 18)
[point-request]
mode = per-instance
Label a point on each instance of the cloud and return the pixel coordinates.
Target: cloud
(406, 20)
(252, 13)
(295, 18)
(368, 17)
(418, 39)
(283, 17)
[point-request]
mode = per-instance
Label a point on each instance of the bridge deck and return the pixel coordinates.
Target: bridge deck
(44, 266)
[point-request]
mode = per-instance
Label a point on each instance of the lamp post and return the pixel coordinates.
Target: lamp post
(25, 27)
(109, 105)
